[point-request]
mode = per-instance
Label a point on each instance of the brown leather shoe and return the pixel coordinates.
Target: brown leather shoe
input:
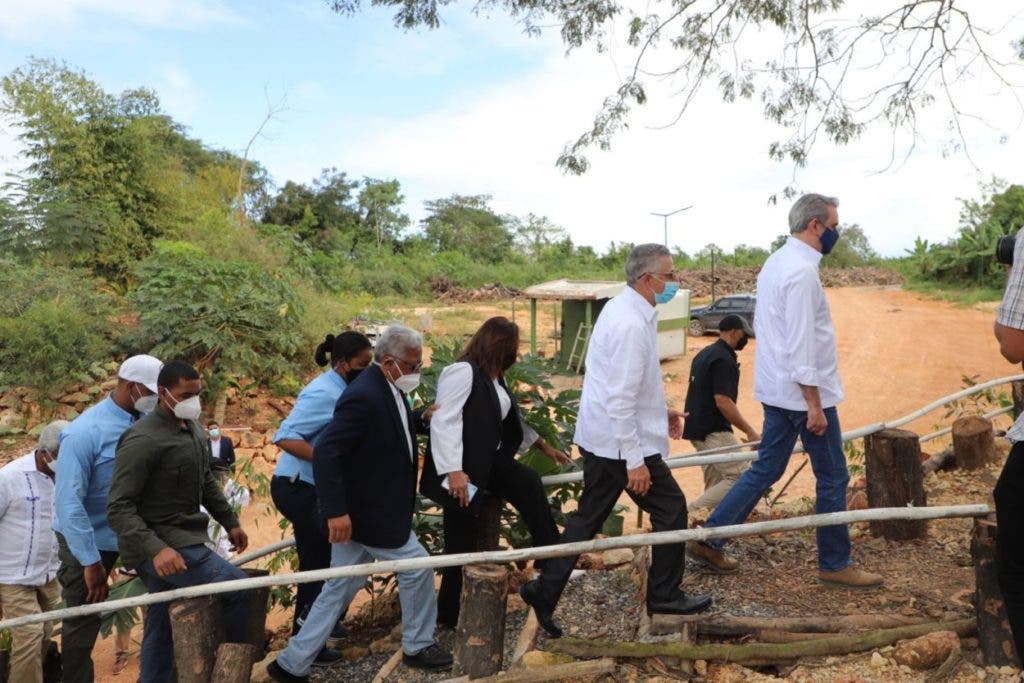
(713, 560)
(851, 577)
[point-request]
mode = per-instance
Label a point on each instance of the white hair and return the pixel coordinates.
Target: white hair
(396, 341)
(642, 259)
(49, 438)
(807, 208)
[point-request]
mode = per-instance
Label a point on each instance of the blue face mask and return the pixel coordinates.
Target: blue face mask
(667, 294)
(829, 239)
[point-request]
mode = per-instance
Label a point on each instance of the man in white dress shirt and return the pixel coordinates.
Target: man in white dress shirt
(28, 557)
(623, 433)
(796, 378)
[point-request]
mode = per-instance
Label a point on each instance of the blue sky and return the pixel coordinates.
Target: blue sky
(478, 108)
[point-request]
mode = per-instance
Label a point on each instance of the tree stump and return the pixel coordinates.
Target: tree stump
(488, 523)
(994, 636)
(197, 629)
(480, 635)
(256, 633)
(973, 442)
(233, 663)
(1017, 395)
(892, 460)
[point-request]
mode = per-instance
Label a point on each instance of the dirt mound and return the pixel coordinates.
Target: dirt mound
(444, 290)
(731, 280)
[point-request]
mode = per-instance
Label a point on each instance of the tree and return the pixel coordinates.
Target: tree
(803, 59)
(380, 203)
(536, 233)
(321, 214)
(467, 224)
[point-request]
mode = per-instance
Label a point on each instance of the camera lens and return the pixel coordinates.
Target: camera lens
(1004, 249)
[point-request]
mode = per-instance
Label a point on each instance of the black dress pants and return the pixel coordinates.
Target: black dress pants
(521, 487)
(78, 635)
(604, 480)
(1009, 496)
(297, 502)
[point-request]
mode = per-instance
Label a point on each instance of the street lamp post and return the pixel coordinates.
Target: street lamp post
(664, 217)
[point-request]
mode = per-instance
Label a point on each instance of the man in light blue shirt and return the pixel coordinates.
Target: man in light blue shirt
(88, 546)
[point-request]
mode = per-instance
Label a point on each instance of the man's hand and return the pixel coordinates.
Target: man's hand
(752, 435)
(638, 480)
(429, 412)
(675, 423)
(458, 486)
(339, 529)
(168, 561)
(95, 582)
(555, 454)
(816, 421)
(239, 540)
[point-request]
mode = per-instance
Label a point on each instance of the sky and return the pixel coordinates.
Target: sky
(477, 107)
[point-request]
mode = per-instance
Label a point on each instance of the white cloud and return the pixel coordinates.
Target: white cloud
(179, 95)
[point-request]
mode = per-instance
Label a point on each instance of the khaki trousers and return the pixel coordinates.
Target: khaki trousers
(29, 642)
(719, 477)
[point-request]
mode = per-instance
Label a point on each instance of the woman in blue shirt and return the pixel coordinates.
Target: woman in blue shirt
(292, 487)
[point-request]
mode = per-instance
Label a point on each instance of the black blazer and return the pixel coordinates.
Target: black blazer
(486, 439)
(363, 466)
(226, 461)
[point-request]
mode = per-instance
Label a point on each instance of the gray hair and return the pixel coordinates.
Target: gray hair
(397, 340)
(807, 208)
(49, 438)
(642, 259)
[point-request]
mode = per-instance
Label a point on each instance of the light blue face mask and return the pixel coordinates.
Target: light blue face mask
(667, 294)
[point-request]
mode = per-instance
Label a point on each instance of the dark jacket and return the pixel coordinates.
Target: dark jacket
(226, 461)
(362, 463)
(486, 439)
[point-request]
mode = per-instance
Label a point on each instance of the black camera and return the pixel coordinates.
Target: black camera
(1004, 249)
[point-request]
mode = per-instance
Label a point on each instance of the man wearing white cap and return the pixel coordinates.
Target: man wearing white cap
(88, 546)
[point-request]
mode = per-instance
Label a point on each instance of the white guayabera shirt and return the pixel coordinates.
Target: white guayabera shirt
(28, 546)
(1011, 314)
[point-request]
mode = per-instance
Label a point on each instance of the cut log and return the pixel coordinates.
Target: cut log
(527, 638)
(488, 524)
(943, 460)
(892, 459)
(480, 634)
(994, 636)
(256, 632)
(233, 663)
(197, 630)
(757, 653)
(727, 625)
(973, 442)
(388, 667)
(586, 670)
(1017, 396)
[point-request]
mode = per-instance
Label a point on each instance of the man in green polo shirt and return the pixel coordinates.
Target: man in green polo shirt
(161, 477)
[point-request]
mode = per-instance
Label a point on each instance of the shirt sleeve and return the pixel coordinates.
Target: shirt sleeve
(799, 360)
(76, 454)
(311, 413)
(132, 463)
(1011, 310)
(725, 378)
(530, 436)
(5, 495)
(453, 389)
(624, 382)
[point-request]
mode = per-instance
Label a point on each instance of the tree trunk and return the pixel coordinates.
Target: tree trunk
(233, 663)
(1017, 393)
(757, 653)
(256, 633)
(480, 635)
(994, 636)
(893, 465)
(488, 523)
(973, 442)
(727, 625)
(197, 630)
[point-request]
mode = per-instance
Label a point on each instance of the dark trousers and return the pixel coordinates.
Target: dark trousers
(297, 502)
(604, 480)
(204, 566)
(521, 487)
(78, 635)
(1009, 496)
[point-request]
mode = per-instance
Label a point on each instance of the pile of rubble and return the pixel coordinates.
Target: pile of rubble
(444, 290)
(733, 280)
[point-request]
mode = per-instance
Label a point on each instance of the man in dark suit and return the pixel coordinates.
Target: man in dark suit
(365, 471)
(222, 449)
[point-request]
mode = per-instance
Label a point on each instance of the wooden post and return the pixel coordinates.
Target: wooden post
(488, 524)
(197, 629)
(1017, 394)
(480, 635)
(233, 663)
(973, 442)
(256, 633)
(994, 636)
(892, 460)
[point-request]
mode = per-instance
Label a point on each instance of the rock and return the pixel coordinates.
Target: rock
(877, 660)
(271, 453)
(535, 659)
(700, 667)
(75, 398)
(616, 557)
(1008, 671)
(590, 561)
(249, 439)
(927, 651)
(857, 500)
(354, 652)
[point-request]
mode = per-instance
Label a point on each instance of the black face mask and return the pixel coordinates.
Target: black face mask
(352, 374)
(742, 342)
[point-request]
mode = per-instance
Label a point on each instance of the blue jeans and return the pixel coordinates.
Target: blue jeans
(781, 429)
(415, 594)
(204, 566)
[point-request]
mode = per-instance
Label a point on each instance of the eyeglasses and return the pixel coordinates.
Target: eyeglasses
(670, 275)
(412, 368)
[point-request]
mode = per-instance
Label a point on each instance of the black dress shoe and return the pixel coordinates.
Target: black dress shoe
(328, 657)
(282, 676)
(530, 593)
(431, 657)
(686, 604)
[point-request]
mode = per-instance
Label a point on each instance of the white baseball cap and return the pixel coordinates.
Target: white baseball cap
(142, 369)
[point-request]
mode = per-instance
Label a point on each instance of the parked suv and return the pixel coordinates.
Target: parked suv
(706, 318)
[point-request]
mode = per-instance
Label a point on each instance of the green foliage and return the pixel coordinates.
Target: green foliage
(122, 620)
(235, 316)
(468, 225)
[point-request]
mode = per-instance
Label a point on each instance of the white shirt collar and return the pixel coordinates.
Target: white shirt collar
(804, 250)
(637, 301)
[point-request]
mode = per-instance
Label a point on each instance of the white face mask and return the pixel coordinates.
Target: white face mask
(145, 404)
(189, 409)
(51, 465)
(408, 383)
